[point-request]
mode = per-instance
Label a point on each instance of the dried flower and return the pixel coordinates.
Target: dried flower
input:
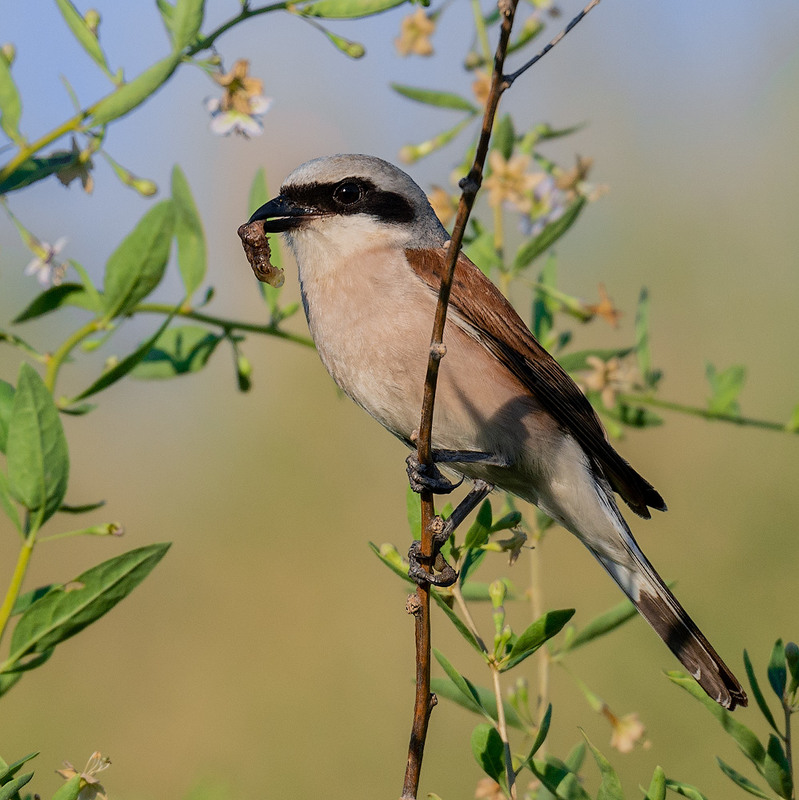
(510, 182)
(570, 179)
(488, 789)
(442, 204)
(79, 167)
(44, 267)
(605, 308)
(481, 86)
(415, 32)
(628, 731)
(91, 788)
(609, 378)
(241, 106)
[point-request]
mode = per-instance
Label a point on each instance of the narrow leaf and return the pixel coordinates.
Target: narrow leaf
(123, 367)
(394, 564)
(134, 93)
(684, 789)
(413, 510)
(36, 448)
(10, 789)
(6, 404)
(777, 672)
(745, 739)
(10, 103)
(536, 635)
(533, 248)
(603, 624)
(489, 751)
(558, 779)
(742, 780)
(725, 386)
(192, 252)
(187, 19)
(70, 790)
(777, 768)
(435, 98)
(345, 9)
(36, 169)
(610, 786)
(86, 37)
(463, 685)
(50, 300)
(643, 351)
(481, 529)
(8, 771)
(543, 731)
(136, 267)
(657, 787)
(7, 502)
(444, 687)
(177, 351)
(460, 626)
(759, 698)
(504, 137)
(25, 601)
(67, 610)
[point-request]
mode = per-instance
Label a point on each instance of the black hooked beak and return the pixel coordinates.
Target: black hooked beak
(281, 215)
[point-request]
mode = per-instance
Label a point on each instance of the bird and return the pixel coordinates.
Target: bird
(371, 253)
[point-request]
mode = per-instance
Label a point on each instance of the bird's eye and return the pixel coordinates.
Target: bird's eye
(347, 193)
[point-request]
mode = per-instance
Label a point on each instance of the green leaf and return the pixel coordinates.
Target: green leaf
(177, 351)
(192, 254)
(544, 305)
(777, 768)
(135, 92)
(67, 610)
(489, 751)
(7, 501)
(657, 787)
(432, 97)
(9, 680)
(36, 448)
(8, 771)
(533, 248)
(759, 698)
(136, 267)
(777, 673)
(543, 629)
(444, 687)
(543, 731)
(725, 386)
(742, 780)
(471, 561)
(478, 591)
(10, 104)
(464, 686)
(36, 169)
(745, 739)
(631, 415)
(123, 367)
(413, 510)
(6, 404)
(480, 531)
(83, 33)
(558, 779)
(69, 790)
(792, 659)
(347, 46)
(25, 601)
(187, 18)
(462, 629)
(602, 625)
(50, 300)
(685, 789)
(10, 789)
(610, 787)
(643, 352)
(394, 564)
(504, 137)
(345, 9)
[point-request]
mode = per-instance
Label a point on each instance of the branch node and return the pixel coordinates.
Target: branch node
(413, 605)
(438, 350)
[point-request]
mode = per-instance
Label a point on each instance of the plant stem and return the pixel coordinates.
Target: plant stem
(16, 581)
(698, 411)
(227, 324)
(786, 708)
(55, 361)
(502, 728)
(467, 616)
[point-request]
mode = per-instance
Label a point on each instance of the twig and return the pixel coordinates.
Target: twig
(470, 185)
(469, 188)
(502, 728)
(509, 79)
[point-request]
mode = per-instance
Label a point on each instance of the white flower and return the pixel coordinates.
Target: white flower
(47, 272)
(241, 106)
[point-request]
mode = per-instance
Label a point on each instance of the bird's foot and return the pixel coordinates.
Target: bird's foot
(427, 476)
(440, 573)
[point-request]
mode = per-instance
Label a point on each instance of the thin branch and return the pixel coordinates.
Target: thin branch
(424, 699)
(502, 729)
(509, 79)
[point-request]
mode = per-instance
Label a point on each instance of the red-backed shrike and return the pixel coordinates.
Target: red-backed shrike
(371, 253)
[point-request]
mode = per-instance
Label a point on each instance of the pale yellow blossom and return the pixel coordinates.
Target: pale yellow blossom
(628, 731)
(240, 108)
(442, 204)
(488, 789)
(605, 308)
(510, 181)
(481, 86)
(415, 32)
(90, 787)
(609, 378)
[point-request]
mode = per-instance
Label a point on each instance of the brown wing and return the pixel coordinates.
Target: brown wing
(483, 307)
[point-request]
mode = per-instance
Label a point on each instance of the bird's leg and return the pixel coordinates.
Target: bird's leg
(442, 574)
(423, 476)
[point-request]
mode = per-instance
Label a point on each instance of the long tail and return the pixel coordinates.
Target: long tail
(661, 609)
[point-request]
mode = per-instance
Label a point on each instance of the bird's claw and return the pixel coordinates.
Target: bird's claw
(424, 476)
(442, 574)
